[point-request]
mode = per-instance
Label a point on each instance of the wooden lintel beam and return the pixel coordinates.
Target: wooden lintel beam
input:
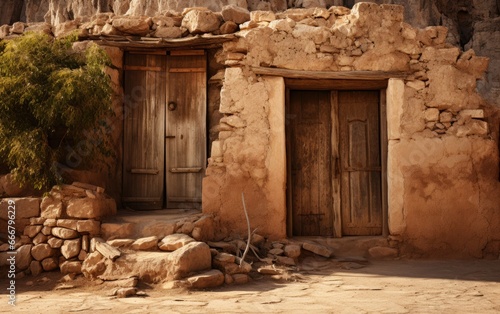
(330, 75)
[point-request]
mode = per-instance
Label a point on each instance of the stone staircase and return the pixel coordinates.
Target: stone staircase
(179, 249)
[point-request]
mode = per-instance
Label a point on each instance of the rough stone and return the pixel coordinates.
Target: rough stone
(174, 241)
(23, 257)
(41, 251)
(144, 244)
(35, 268)
(46, 230)
(71, 248)
(192, 257)
(285, 260)
(206, 227)
(417, 85)
(431, 114)
(276, 251)
(225, 258)
(50, 222)
(107, 250)
(292, 250)
(90, 208)
(131, 25)
(120, 242)
(55, 243)
(168, 32)
(94, 265)
(64, 233)
(317, 249)
(200, 21)
(228, 27)
(50, 264)
(209, 279)
(40, 238)
(91, 227)
(37, 221)
(262, 16)
(380, 252)
(235, 14)
(51, 207)
(126, 292)
(32, 231)
(240, 279)
(67, 223)
(71, 267)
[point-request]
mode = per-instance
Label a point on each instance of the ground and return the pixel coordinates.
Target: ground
(322, 286)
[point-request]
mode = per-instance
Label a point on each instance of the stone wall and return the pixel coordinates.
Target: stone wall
(443, 164)
(54, 232)
(471, 24)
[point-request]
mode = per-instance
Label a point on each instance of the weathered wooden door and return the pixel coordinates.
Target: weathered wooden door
(185, 130)
(334, 167)
(144, 124)
(164, 129)
(360, 160)
(311, 167)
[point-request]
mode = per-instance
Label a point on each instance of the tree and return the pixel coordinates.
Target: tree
(51, 98)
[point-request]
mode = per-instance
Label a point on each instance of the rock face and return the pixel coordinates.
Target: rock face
(200, 21)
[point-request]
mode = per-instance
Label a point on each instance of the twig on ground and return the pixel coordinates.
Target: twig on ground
(249, 230)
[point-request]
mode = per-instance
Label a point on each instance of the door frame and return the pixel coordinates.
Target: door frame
(335, 85)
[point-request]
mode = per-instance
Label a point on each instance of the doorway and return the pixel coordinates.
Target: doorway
(164, 148)
(335, 161)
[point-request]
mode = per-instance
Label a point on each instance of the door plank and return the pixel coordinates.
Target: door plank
(360, 163)
(186, 128)
(143, 155)
(310, 141)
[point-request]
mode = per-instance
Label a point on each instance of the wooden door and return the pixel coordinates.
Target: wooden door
(164, 129)
(360, 162)
(310, 151)
(185, 132)
(144, 106)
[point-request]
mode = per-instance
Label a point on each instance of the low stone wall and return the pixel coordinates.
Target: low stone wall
(55, 231)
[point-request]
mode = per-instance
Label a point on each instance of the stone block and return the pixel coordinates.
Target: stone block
(42, 251)
(51, 207)
(262, 16)
(228, 28)
(200, 21)
(40, 238)
(35, 268)
(209, 279)
(64, 233)
(431, 114)
(144, 244)
(317, 249)
(32, 231)
(25, 207)
(174, 241)
(169, 32)
(292, 250)
(55, 243)
(67, 223)
(90, 208)
(192, 257)
(91, 227)
(71, 267)
(23, 257)
(50, 263)
(71, 248)
(132, 25)
(235, 14)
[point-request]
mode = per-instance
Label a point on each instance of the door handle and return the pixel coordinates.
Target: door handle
(170, 136)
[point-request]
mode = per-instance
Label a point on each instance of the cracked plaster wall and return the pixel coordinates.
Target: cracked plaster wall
(442, 161)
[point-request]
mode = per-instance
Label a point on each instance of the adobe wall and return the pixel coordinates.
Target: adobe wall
(442, 162)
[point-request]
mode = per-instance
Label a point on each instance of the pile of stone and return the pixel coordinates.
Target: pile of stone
(180, 260)
(59, 235)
